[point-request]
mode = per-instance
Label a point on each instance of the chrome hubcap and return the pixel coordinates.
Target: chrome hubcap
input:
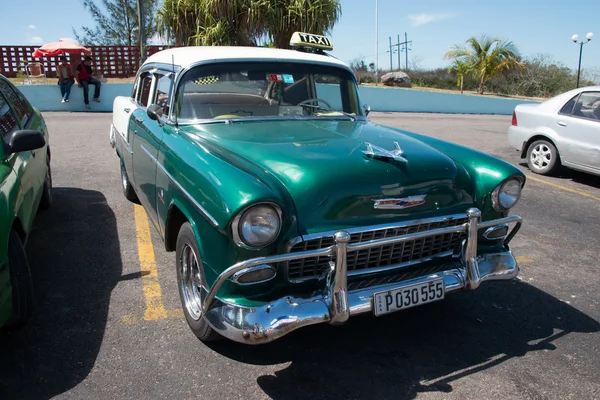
(191, 282)
(541, 156)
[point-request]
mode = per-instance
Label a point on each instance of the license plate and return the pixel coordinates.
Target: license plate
(408, 296)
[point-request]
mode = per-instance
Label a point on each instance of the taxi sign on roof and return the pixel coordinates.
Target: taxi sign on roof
(301, 39)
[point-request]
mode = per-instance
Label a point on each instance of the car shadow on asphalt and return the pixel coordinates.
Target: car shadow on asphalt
(424, 349)
(570, 174)
(75, 261)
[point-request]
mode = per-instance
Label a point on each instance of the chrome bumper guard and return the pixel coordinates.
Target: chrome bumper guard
(335, 304)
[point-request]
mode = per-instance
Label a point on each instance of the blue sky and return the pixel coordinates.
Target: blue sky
(535, 26)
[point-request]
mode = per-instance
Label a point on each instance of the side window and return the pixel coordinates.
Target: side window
(144, 93)
(8, 121)
(163, 92)
(588, 106)
(568, 108)
(19, 103)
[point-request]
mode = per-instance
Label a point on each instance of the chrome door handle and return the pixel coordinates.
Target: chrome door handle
(127, 110)
(560, 123)
(139, 120)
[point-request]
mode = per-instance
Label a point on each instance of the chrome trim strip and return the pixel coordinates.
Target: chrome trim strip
(181, 189)
(235, 277)
(360, 229)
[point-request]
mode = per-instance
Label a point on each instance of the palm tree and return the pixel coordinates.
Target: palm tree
(462, 68)
(244, 22)
(487, 56)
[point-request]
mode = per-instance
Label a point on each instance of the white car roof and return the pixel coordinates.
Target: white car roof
(559, 100)
(186, 56)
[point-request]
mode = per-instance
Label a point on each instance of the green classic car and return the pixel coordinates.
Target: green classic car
(287, 207)
(26, 186)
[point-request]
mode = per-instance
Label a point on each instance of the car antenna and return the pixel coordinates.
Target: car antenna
(173, 86)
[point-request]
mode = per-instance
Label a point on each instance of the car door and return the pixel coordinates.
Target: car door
(580, 132)
(28, 165)
(147, 137)
(123, 108)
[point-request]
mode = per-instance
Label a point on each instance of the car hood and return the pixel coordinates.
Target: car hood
(333, 184)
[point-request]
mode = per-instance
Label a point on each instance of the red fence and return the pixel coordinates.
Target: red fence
(110, 61)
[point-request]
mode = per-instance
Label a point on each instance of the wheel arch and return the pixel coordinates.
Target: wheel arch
(175, 218)
(538, 136)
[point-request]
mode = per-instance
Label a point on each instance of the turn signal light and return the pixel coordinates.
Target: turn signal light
(514, 119)
(252, 275)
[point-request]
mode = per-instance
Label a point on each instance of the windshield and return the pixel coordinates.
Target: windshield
(264, 90)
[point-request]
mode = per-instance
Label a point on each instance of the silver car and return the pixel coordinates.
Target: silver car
(564, 130)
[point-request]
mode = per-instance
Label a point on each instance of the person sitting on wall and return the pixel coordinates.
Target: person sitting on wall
(66, 78)
(85, 77)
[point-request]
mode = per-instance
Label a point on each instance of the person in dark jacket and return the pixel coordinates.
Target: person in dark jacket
(84, 75)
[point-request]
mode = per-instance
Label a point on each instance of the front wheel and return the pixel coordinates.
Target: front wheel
(128, 190)
(542, 157)
(190, 279)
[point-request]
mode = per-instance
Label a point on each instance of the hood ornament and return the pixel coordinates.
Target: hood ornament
(378, 153)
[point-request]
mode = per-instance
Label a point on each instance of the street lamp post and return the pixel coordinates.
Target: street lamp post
(377, 42)
(575, 38)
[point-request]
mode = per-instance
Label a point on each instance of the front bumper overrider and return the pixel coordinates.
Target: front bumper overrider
(335, 303)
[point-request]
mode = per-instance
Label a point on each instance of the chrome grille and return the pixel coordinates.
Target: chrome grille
(408, 252)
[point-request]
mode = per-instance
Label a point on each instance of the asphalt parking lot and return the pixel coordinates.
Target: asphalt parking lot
(108, 323)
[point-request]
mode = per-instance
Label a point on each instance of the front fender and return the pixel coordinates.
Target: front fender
(485, 171)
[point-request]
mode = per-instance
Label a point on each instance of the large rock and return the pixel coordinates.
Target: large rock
(398, 79)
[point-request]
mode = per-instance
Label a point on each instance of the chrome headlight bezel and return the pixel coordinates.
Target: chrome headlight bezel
(238, 222)
(497, 201)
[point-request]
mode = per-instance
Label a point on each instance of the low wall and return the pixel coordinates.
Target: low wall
(47, 98)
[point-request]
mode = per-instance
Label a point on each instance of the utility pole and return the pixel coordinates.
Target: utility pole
(376, 43)
(405, 44)
(399, 66)
(391, 65)
(406, 47)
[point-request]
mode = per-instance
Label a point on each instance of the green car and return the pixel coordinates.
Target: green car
(26, 187)
(286, 207)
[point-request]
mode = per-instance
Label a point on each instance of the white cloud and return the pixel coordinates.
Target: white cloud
(36, 40)
(422, 19)
(157, 40)
(32, 27)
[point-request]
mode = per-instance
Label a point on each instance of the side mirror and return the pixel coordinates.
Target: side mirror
(155, 112)
(367, 109)
(24, 140)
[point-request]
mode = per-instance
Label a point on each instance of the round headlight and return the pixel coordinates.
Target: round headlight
(507, 194)
(259, 225)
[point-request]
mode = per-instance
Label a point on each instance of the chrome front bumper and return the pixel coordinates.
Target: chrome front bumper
(335, 303)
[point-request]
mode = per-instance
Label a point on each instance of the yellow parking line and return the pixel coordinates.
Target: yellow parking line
(579, 192)
(154, 305)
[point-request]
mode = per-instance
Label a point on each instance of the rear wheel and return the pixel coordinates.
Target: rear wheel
(190, 279)
(128, 190)
(542, 157)
(20, 280)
